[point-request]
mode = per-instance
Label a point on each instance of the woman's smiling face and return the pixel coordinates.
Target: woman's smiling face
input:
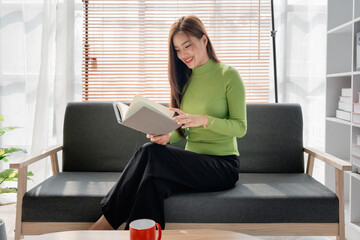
(191, 50)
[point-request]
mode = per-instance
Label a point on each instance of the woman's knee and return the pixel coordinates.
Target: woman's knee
(148, 150)
(151, 147)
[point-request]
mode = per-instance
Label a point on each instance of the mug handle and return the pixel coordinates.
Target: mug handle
(159, 231)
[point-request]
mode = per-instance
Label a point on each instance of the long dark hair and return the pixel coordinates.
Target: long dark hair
(178, 72)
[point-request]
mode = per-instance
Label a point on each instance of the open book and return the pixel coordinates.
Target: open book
(145, 116)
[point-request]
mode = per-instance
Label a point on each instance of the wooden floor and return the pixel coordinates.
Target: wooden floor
(7, 213)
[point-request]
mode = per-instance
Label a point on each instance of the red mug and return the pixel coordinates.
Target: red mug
(144, 229)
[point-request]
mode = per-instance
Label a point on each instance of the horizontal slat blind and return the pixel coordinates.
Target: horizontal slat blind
(126, 45)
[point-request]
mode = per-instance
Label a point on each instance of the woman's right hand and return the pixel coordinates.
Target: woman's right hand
(161, 139)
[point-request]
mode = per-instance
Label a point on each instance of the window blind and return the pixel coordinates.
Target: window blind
(126, 45)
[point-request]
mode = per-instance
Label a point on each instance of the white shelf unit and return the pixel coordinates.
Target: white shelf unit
(343, 24)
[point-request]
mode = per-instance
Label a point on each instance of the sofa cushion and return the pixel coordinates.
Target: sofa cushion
(265, 198)
(258, 198)
(68, 197)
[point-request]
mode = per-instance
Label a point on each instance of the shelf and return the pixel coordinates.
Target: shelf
(337, 120)
(356, 176)
(355, 161)
(344, 28)
(333, 92)
(337, 131)
(343, 74)
(356, 88)
(355, 198)
(352, 231)
(339, 12)
(355, 227)
(357, 10)
(356, 47)
(339, 50)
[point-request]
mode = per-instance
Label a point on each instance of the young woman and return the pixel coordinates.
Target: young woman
(209, 99)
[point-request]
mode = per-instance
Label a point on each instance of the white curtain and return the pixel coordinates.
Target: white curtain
(301, 60)
(40, 47)
(56, 80)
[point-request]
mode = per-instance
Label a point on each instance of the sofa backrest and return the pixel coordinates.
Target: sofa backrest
(95, 141)
(273, 142)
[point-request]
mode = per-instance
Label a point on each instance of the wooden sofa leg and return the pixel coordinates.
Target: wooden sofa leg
(310, 165)
(22, 181)
(339, 185)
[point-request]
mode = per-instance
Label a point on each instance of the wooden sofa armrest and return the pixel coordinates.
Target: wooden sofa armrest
(327, 158)
(32, 158)
(340, 166)
(22, 166)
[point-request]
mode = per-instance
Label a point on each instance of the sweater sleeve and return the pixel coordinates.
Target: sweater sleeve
(236, 124)
(174, 137)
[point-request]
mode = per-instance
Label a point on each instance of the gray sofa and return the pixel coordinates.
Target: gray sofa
(274, 194)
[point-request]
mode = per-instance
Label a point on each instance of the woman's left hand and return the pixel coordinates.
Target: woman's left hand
(189, 120)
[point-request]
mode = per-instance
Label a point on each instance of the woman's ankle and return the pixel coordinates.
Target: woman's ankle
(101, 224)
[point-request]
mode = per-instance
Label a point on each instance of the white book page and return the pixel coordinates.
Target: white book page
(123, 108)
(137, 106)
(140, 101)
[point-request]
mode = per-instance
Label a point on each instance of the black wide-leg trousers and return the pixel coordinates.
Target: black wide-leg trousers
(156, 171)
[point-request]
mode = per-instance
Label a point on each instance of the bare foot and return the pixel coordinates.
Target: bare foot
(101, 224)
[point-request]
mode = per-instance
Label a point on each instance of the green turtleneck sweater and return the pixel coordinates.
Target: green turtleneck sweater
(217, 91)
